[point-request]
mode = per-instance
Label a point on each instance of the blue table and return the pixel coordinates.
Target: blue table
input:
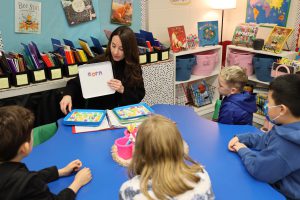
(208, 145)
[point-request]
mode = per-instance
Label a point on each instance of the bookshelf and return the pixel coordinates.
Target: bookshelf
(259, 119)
(211, 79)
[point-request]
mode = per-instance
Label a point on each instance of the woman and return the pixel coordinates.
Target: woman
(122, 52)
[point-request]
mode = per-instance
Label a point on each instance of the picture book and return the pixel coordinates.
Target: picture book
(277, 39)
(28, 16)
(177, 38)
(85, 46)
(121, 12)
(133, 111)
(84, 117)
(208, 33)
(78, 11)
(94, 77)
(245, 34)
(200, 93)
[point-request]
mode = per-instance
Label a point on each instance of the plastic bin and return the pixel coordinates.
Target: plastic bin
(242, 59)
(263, 66)
(184, 65)
(206, 63)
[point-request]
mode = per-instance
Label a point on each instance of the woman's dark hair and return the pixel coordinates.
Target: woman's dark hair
(285, 90)
(16, 124)
(133, 71)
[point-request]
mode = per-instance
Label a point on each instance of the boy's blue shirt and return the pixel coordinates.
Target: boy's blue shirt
(238, 109)
(275, 158)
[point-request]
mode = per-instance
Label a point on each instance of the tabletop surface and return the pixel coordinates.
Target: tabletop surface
(207, 142)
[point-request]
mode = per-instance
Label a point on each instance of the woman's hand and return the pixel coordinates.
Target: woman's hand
(66, 104)
(73, 166)
(117, 85)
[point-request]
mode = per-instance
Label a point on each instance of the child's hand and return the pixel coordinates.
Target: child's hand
(237, 146)
(117, 85)
(71, 167)
(83, 176)
(232, 143)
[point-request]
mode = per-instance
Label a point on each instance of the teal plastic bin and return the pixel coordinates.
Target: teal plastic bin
(184, 65)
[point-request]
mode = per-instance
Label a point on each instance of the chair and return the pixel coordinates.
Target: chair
(43, 133)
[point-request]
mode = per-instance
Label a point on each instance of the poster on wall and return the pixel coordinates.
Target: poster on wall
(78, 11)
(121, 12)
(208, 33)
(267, 11)
(27, 16)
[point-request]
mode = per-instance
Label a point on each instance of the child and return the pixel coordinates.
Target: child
(158, 168)
(237, 107)
(16, 181)
(275, 158)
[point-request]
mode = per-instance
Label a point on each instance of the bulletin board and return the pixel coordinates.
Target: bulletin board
(55, 25)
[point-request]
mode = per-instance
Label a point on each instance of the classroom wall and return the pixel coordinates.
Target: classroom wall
(54, 24)
(163, 14)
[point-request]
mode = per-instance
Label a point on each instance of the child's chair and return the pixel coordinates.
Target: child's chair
(43, 133)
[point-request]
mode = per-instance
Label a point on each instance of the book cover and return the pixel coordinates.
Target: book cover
(177, 38)
(78, 11)
(208, 33)
(277, 39)
(121, 12)
(245, 34)
(27, 16)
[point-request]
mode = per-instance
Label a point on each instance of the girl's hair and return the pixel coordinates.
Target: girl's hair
(133, 71)
(159, 157)
(235, 76)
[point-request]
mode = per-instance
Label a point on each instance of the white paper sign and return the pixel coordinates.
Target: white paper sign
(94, 78)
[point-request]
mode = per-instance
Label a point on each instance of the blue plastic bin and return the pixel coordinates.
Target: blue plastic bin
(263, 66)
(184, 65)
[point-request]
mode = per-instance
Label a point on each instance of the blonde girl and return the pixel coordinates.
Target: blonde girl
(159, 168)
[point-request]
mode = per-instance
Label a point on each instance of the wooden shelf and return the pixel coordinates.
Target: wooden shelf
(254, 79)
(197, 50)
(33, 87)
(286, 54)
(195, 77)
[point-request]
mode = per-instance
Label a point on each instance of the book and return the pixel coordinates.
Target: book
(94, 77)
(97, 45)
(277, 39)
(85, 46)
(85, 117)
(208, 33)
(112, 121)
(78, 11)
(177, 38)
(245, 34)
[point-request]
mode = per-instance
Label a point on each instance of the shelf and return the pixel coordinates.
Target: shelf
(33, 87)
(196, 50)
(259, 119)
(196, 77)
(203, 110)
(253, 78)
(287, 54)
